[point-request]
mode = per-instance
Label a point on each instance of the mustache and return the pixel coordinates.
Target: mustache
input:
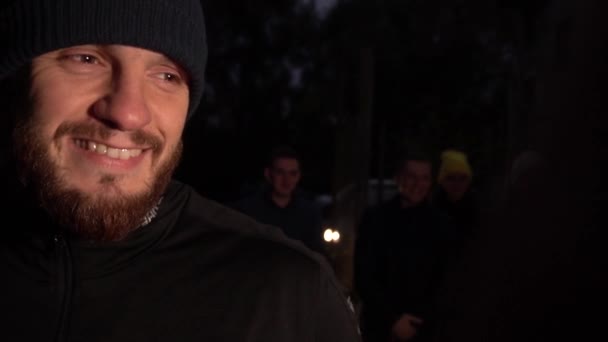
(92, 130)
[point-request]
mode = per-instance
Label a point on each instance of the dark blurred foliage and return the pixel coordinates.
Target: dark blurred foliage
(278, 72)
(262, 90)
(442, 71)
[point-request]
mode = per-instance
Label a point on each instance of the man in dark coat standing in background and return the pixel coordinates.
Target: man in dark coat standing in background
(401, 250)
(282, 204)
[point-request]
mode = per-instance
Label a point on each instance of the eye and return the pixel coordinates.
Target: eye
(83, 58)
(170, 77)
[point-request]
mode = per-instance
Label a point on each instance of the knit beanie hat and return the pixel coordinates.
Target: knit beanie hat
(175, 28)
(453, 161)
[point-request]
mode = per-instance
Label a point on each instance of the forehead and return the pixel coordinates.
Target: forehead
(417, 167)
(285, 163)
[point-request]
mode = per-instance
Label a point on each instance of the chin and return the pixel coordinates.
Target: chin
(107, 213)
(285, 193)
(114, 207)
(105, 208)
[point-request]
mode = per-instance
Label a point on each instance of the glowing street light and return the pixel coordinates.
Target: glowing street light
(331, 236)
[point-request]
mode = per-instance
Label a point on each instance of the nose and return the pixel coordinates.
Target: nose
(124, 106)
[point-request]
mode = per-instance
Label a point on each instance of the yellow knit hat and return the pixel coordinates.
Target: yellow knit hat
(454, 161)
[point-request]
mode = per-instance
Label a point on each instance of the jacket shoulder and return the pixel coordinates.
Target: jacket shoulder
(205, 218)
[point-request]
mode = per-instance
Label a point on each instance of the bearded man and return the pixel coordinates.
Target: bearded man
(103, 244)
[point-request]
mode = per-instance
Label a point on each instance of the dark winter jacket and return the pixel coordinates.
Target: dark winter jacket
(464, 215)
(301, 219)
(198, 272)
(399, 261)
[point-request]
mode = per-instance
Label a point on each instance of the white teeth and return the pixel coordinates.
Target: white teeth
(113, 152)
(116, 153)
(124, 154)
(102, 149)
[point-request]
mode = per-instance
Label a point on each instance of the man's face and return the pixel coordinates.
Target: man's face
(103, 135)
(456, 185)
(414, 182)
(283, 176)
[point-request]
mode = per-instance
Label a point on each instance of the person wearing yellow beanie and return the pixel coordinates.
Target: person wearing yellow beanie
(455, 195)
(455, 174)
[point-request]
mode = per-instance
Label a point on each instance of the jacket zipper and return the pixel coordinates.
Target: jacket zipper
(64, 286)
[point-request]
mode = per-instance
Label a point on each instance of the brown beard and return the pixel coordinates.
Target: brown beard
(89, 217)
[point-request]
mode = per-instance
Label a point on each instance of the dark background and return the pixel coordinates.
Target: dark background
(373, 75)
(495, 78)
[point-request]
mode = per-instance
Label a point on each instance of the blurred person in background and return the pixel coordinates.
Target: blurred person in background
(400, 252)
(454, 193)
(281, 203)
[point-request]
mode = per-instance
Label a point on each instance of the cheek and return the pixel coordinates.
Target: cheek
(172, 125)
(48, 104)
(174, 131)
(421, 184)
(462, 188)
(454, 186)
(170, 110)
(58, 99)
(422, 187)
(46, 120)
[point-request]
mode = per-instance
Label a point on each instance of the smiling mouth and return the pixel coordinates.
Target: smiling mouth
(111, 152)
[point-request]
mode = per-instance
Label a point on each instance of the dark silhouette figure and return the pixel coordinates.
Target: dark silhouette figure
(401, 249)
(455, 195)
